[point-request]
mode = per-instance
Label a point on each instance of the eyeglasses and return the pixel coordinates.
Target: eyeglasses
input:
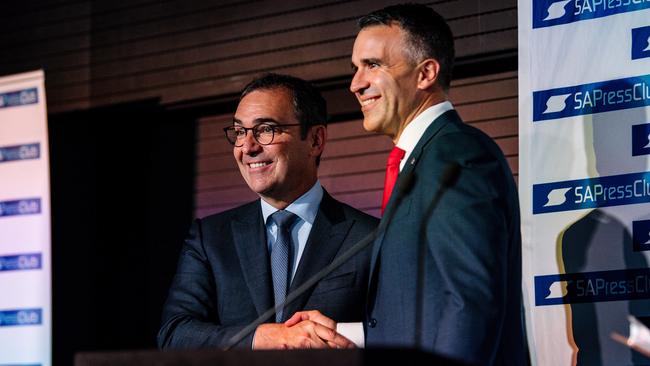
(263, 133)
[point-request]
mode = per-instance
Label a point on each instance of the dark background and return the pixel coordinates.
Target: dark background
(121, 201)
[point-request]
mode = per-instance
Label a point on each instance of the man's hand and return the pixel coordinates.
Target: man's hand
(317, 317)
(313, 315)
(300, 334)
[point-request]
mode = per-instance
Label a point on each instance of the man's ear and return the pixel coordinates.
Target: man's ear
(318, 136)
(428, 74)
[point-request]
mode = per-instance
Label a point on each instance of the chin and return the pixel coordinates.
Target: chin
(372, 126)
(368, 125)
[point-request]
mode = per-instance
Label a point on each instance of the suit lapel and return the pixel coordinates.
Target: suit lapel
(410, 166)
(249, 234)
(325, 239)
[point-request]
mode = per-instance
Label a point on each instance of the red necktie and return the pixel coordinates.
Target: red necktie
(392, 171)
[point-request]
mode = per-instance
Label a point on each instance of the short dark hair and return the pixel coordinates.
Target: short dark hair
(429, 35)
(309, 105)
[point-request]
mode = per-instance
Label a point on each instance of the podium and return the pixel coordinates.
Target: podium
(261, 358)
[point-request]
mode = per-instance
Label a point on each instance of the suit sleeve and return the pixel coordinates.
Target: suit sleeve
(468, 240)
(190, 318)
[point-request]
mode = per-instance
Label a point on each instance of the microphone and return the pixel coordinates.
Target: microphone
(447, 180)
(404, 186)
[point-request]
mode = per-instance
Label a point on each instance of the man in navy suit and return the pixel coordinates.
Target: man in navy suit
(448, 280)
(233, 267)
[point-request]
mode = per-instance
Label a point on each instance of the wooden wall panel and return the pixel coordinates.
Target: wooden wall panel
(102, 52)
(34, 16)
(352, 167)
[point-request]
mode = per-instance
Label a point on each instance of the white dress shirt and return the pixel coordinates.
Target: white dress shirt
(414, 130)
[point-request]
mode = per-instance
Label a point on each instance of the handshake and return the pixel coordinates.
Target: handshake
(305, 329)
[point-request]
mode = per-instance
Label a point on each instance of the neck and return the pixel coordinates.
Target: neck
(430, 100)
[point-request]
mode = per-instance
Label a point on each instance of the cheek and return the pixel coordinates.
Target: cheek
(393, 89)
(284, 164)
(237, 154)
(292, 161)
(385, 80)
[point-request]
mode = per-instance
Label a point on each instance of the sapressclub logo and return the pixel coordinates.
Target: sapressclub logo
(547, 13)
(598, 97)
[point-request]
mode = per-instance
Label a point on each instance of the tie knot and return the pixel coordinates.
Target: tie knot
(284, 219)
(396, 155)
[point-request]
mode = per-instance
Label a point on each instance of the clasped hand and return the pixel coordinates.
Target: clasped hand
(305, 329)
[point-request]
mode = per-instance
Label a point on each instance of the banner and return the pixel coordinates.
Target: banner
(584, 136)
(25, 280)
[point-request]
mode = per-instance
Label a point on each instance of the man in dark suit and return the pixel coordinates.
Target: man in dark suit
(237, 264)
(447, 280)
(460, 264)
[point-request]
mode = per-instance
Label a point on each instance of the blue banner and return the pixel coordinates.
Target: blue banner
(20, 152)
(18, 98)
(547, 13)
(641, 235)
(21, 317)
(640, 43)
(591, 98)
(641, 139)
(28, 206)
(614, 190)
(572, 288)
(20, 262)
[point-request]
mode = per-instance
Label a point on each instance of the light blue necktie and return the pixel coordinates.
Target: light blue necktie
(281, 257)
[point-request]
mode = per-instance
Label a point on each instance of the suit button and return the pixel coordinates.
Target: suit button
(372, 323)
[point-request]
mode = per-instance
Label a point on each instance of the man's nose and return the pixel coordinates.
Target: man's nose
(359, 83)
(249, 144)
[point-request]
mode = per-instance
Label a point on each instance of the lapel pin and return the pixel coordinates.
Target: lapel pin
(412, 161)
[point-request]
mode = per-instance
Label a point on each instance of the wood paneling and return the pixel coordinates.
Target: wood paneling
(102, 52)
(178, 51)
(352, 167)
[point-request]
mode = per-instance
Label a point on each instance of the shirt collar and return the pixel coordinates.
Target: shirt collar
(414, 130)
(305, 207)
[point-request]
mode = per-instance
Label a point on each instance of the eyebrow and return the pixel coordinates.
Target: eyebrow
(256, 121)
(366, 61)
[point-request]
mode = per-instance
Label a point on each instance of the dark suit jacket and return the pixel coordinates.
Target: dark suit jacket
(223, 281)
(472, 259)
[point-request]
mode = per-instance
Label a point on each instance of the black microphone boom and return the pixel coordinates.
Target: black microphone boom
(403, 187)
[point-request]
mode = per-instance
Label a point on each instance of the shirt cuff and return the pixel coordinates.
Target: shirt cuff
(353, 332)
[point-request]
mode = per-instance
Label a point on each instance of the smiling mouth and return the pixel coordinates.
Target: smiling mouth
(258, 165)
(368, 101)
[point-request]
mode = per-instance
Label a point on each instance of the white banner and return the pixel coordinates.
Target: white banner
(25, 280)
(584, 136)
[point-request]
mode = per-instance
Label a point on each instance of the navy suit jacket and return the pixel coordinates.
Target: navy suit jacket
(471, 299)
(223, 280)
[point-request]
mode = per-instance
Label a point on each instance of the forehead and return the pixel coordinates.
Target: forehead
(266, 104)
(379, 41)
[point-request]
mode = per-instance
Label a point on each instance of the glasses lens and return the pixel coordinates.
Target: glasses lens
(264, 133)
(231, 134)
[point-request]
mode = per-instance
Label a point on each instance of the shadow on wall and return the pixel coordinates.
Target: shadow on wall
(601, 241)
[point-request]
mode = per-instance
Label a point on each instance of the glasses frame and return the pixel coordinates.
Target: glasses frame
(274, 127)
